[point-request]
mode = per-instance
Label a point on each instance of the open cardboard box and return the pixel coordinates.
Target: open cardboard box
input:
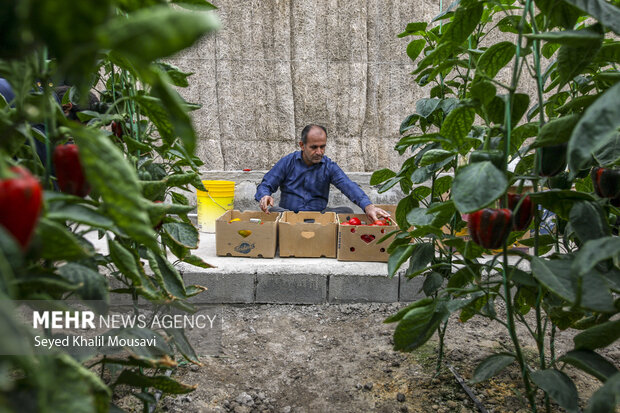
(361, 242)
(307, 234)
(244, 238)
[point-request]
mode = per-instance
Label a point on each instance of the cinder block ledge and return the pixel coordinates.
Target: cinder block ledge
(293, 280)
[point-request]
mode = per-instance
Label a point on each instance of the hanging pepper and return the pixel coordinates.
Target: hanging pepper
(552, 159)
(606, 182)
(69, 171)
(495, 156)
(20, 204)
(522, 218)
(489, 227)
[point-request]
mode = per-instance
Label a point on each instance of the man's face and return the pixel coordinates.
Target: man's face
(312, 152)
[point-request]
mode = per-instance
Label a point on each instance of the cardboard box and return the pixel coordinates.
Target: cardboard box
(307, 234)
(259, 240)
(360, 242)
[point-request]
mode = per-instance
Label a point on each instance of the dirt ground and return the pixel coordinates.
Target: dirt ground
(339, 358)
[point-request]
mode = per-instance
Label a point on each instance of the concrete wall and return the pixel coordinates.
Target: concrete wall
(277, 65)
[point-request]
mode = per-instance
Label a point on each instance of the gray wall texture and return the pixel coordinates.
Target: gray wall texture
(277, 65)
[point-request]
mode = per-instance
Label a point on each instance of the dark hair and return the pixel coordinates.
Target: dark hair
(93, 102)
(307, 129)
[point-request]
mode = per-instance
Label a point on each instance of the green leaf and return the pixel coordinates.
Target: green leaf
(491, 365)
(599, 336)
(93, 286)
(156, 112)
(422, 256)
(555, 275)
(560, 13)
(58, 242)
(494, 59)
(573, 59)
(423, 302)
(417, 326)
(177, 113)
(594, 130)
(595, 251)
(434, 155)
(155, 32)
(415, 47)
(426, 106)
(590, 362)
(442, 185)
(167, 275)
(413, 29)
(556, 131)
(182, 343)
(202, 5)
(116, 180)
(129, 265)
(402, 209)
(398, 257)
(606, 398)
(559, 387)
(183, 234)
(82, 390)
(610, 153)
(457, 124)
(381, 175)
(432, 283)
(82, 215)
(443, 52)
(196, 261)
(163, 383)
(463, 24)
(574, 38)
(589, 221)
(484, 91)
(477, 185)
(604, 12)
(560, 201)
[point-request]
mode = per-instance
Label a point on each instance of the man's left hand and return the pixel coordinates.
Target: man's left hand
(374, 213)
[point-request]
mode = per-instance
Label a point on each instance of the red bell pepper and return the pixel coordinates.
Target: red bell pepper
(522, 218)
(489, 227)
(606, 182)
(69, 171)
(20, 204)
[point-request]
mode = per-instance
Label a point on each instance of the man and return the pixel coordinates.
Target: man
(304, 178)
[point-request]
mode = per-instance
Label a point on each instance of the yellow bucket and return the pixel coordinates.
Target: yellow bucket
(212, 204)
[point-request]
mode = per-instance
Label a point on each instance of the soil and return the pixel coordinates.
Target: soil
(339, 358)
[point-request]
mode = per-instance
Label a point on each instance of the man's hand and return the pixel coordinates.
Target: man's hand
(373, 213)
(266, 202)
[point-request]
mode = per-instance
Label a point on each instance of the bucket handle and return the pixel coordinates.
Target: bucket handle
(209, 195)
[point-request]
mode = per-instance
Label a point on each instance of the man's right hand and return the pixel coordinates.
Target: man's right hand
(266, 202)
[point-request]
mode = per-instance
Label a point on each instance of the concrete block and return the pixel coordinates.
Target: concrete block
(291, 288)
(410, 288)
(367, 288)
(222, 287)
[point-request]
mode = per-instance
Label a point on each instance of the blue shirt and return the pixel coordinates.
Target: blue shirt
(306, 188)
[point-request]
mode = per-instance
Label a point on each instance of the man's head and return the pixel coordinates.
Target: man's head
(70, 109)
(313, 141)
